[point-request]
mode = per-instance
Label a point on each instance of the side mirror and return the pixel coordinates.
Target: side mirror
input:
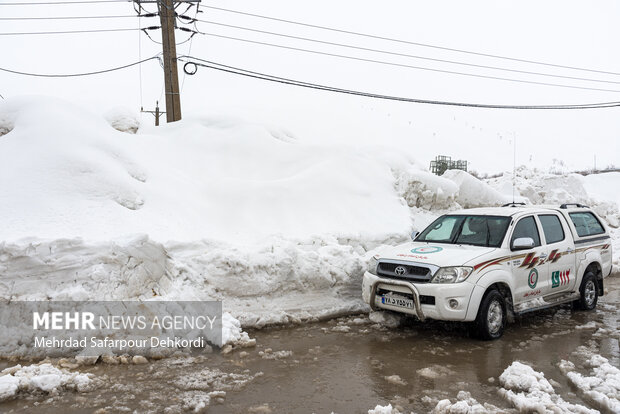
(414, 234)
(523, 243)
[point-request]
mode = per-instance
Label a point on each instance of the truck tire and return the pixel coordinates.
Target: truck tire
(491, 319)
(588, 292)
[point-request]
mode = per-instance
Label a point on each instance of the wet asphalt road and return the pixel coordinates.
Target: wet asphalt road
(341, 366)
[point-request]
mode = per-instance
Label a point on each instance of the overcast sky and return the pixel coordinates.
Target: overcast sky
(571, 33)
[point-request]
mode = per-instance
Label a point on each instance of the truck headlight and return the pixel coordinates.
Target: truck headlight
(454, 274)
(372, 265)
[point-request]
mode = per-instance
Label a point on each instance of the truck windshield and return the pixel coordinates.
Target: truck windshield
(475, 230)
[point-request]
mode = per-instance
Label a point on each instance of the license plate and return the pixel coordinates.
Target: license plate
(397, 301)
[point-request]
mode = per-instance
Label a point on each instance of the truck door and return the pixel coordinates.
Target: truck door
(529, 266)
(561, 250)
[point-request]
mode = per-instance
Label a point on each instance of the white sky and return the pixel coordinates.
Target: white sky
(573, 33)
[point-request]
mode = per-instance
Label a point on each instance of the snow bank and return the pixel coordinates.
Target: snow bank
(597, 191)
(72, 269)
(424, 190)
(274, 281)
(185, 181)
(601, 386)
(42, 378)
(529, 391)
(216, 208)
(475, 193)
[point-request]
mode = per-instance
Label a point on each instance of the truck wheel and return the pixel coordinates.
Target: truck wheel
(491, 319)
(588, 292)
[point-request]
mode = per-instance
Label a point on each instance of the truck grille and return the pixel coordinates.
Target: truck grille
(418, 274)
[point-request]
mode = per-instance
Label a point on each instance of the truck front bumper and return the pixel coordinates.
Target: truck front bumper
(439, 307)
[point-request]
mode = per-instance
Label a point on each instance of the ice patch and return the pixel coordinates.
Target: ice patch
(395, 379)
(435, 371)
(589, 325)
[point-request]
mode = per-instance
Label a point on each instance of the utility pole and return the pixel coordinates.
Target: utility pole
(171, 77)
(156, 112)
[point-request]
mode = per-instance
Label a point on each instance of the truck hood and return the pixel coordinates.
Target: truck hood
(438, 254)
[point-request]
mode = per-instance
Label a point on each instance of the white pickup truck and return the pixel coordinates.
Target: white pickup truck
(486, 265)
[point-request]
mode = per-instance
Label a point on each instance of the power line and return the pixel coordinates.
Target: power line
(409, 42)
(410, 66)
(75, 17)
(78, 31)
(139, 59)
(64, 2)
(404, 54)
(271, 78)
(42, 75)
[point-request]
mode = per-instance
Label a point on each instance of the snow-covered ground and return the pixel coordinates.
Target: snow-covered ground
(220, 208)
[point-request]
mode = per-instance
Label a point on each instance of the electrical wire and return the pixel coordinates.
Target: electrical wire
(410, 66)
(405, 54)
(139, 59)
(189, 51)
(409, 42)
(271, 78)
(70, 17)
(42, 75)
(36, 3)
(69, 32)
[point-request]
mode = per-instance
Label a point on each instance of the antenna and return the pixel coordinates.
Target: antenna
(514, 164)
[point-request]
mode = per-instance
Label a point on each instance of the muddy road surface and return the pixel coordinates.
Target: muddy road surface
(350, 365)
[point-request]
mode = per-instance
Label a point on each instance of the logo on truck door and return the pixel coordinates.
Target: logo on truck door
(560, 278)
(532, 278)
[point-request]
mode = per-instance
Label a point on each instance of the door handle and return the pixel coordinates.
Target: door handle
(543, 256)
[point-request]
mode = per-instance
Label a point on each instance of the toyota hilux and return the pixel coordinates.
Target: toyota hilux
(486, 265)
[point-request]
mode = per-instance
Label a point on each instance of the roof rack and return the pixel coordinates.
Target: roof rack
(513, 204)
(565, 205)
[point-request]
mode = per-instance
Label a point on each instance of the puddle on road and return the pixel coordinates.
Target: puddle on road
(341, 366)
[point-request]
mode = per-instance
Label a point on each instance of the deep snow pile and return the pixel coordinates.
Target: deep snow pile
(66, 173)
(217, 208)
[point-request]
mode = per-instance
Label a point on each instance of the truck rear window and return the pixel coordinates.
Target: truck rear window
(586, 224)
(552, 228)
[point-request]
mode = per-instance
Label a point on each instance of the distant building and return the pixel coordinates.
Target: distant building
(442, 163)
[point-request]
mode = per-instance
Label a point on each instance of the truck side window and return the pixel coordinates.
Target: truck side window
(526, 227)
(552, 228)
(586, 224)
